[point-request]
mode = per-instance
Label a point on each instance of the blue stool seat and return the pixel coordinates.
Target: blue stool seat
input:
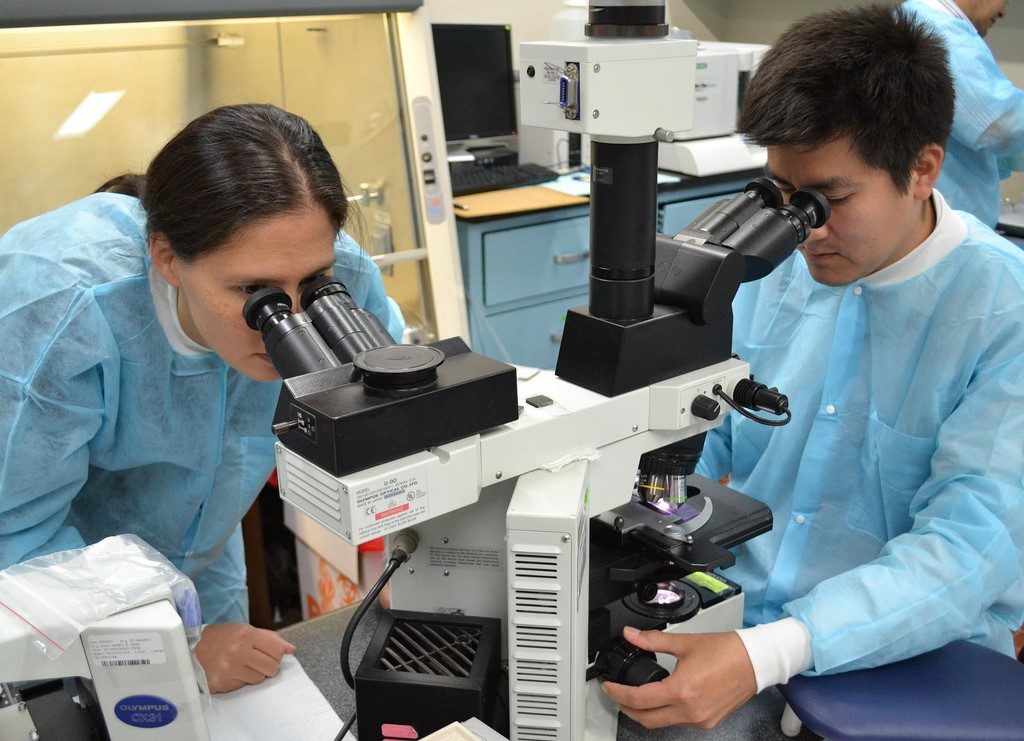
(960, 691)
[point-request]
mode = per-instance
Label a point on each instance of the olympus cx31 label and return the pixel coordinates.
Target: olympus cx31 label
(145, 711)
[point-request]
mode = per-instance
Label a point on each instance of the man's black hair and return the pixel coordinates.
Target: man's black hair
(874, 74)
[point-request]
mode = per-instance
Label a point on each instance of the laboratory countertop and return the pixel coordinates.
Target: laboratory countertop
(567, 192)
(317, 643)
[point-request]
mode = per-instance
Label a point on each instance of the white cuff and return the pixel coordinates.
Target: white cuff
(777, 650)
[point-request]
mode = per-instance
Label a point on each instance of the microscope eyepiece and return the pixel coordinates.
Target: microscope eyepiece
(347, 329)
(325, 285)
(767, 191)
(264, 304)
(809, 205)
(292, 343)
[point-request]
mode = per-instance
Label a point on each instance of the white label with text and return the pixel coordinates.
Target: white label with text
(391, 504)
(127, 649)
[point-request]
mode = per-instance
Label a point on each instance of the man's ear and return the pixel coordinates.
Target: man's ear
(926, 171)
(164, 259)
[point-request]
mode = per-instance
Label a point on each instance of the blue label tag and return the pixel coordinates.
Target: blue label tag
(145, 711)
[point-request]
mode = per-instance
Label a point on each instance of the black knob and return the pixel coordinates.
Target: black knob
(705, 407)
(624, 663)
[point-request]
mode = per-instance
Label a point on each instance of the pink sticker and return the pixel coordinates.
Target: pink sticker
(393, 731)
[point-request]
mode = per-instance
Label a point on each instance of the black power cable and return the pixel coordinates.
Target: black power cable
(346, 727)
(405, 544)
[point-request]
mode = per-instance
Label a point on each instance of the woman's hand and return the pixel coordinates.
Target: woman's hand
(712, 678)
(236, 654)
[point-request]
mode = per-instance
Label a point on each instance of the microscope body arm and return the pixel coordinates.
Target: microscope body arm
(611, 431)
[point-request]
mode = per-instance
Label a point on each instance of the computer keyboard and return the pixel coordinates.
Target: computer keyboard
(476, 179)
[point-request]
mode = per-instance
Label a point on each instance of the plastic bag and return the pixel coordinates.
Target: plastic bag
(59, 595)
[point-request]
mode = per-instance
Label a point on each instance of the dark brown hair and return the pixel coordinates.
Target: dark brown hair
(229, 168)
(874, 74)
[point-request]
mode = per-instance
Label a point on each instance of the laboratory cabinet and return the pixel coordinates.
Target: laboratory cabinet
(523, 272)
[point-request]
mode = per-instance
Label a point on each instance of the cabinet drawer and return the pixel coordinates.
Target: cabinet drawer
(676, 216)
(534, 260)
(530, 336)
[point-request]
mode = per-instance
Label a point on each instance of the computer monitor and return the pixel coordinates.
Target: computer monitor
(474, 74)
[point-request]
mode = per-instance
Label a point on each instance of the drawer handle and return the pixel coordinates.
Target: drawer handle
(568, 258)
(556, 337)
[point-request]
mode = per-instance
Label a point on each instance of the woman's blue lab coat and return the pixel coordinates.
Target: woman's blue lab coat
(105, 429)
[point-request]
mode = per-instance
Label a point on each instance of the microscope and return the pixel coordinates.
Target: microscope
(551, 509)
(131, 671)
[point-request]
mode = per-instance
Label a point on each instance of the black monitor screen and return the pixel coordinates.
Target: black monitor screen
(474, 74)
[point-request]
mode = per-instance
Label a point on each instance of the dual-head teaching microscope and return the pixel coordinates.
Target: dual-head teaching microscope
(550, 509)
(542, 511)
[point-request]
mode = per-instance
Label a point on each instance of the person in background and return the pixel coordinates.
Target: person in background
(987, 140)
(897, 331)
(133, 397)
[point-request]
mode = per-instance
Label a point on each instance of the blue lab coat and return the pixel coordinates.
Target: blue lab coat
(987, 140)
(105, 428)
(897, 488)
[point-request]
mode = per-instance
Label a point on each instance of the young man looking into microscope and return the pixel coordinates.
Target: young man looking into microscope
(898, 334)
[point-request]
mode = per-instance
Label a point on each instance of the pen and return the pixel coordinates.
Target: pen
(460, 207)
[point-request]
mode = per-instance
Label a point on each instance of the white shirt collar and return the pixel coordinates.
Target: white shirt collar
(948, 7)
(949, 232)
(165, 299)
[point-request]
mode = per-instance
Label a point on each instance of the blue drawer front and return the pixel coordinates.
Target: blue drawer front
(534, 260)
(530, 336)
(676, 216)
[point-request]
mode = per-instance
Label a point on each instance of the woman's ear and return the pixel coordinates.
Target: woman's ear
(164, 259)
(926, 171)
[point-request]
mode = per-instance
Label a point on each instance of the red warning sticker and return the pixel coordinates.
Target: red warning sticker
(390, 512)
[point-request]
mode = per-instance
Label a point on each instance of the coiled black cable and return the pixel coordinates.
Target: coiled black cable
(720, 392)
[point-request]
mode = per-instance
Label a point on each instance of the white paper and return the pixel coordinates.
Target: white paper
(288, 707)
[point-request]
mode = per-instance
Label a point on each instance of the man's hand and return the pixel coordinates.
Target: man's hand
(235, 654)
(713, 677)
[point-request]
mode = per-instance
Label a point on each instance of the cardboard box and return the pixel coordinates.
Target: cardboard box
(332, 573)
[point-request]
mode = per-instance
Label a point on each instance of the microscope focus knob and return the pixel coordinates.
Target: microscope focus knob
(624, 663)
(706, 408)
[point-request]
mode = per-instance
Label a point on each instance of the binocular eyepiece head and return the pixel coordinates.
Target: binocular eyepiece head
(333, 330)
(761, 227)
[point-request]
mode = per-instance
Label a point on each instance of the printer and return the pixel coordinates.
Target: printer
(712, 146)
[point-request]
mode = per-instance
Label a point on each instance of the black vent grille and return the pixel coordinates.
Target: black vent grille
(437, 649)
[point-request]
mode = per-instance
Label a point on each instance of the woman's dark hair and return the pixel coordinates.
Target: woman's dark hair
(129, 184)
(229, 168)
(873, 74)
